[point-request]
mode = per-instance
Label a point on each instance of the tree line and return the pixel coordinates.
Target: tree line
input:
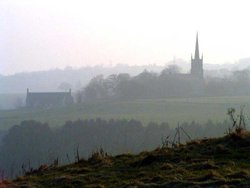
(33, 143)
(168, 83)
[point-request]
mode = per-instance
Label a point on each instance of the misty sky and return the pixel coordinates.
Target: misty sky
(45, 34)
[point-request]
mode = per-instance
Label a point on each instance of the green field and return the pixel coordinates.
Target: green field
(158, 110)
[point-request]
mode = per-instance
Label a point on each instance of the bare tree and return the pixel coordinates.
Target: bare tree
(238, 120)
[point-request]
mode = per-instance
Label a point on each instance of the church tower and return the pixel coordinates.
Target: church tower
(197, 62)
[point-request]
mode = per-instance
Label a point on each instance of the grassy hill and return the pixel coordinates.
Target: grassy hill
(200, 163)
(158, 110)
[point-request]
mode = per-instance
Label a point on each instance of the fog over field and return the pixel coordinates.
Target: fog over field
(123, 76)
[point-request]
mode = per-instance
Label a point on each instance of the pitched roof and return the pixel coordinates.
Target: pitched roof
(48, 98)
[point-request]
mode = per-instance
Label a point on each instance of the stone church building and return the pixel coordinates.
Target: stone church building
(197, 62)
(188, 84)
(48, 99)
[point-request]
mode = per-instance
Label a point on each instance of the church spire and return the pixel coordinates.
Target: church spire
(197, 55)
(197, 63)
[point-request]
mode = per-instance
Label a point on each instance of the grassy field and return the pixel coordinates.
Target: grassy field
(218, 162)
(158, 110)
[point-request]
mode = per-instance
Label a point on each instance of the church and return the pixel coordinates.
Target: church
(48, 99)
(197, 62)
(195, 79)
(196, 71)
(190, 84)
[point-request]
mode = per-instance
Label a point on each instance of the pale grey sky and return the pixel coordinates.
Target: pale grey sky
(44, 34)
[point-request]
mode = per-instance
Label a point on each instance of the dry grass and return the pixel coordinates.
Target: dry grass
(171, 167)
(100, 157)
(167, 166)
(95, 186)
(207, 165)
(211, 175)
(241, 175)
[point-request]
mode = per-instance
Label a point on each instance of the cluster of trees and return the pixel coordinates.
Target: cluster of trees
(169, 83)
(237, 84)
(32, 143)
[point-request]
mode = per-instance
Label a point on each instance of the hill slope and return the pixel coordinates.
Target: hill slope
(208, 162)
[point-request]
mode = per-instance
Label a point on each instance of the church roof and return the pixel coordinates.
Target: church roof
(48, 98)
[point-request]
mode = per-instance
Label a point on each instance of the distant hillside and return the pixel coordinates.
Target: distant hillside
(13, 87)
(50, 80)
(200, 163)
